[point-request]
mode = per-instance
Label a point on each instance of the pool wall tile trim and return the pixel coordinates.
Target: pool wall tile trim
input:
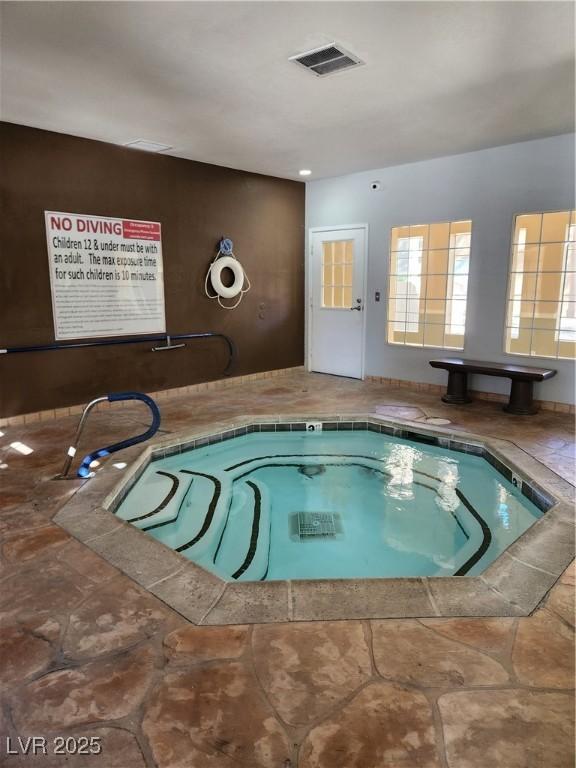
(513, 585)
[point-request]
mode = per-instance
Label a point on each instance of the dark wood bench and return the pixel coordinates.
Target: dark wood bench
(521, 400)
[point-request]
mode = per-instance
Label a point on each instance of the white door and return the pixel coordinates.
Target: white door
(337, 316)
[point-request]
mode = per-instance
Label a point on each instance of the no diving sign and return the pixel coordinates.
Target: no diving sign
(106, 276)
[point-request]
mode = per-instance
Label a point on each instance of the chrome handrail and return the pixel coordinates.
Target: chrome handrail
(84, 469)
(72, 450)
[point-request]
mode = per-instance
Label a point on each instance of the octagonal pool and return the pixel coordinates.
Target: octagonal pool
(279, 502)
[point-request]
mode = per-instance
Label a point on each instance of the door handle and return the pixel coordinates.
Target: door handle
(359, 308)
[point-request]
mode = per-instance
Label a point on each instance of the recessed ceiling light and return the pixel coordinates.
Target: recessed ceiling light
(147, 146)
(305, 172)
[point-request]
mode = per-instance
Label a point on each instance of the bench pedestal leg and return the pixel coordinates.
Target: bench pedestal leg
(457, 390)
(521, 400)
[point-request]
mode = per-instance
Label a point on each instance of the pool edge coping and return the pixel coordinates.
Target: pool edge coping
(513, 585)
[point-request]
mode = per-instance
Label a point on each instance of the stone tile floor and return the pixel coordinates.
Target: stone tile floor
(86, 652)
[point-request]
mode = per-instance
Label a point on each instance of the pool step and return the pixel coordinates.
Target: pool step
(156, 500)
(197, 522)
(244, 549)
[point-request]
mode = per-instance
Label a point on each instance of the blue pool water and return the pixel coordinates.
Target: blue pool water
(356, 504)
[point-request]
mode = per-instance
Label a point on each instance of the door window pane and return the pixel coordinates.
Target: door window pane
(337, 273)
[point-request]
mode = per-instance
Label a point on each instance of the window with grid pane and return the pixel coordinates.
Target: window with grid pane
(429, 284)
(337, 273)
(541, 312)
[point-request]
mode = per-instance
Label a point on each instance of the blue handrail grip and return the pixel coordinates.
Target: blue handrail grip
(84, 468)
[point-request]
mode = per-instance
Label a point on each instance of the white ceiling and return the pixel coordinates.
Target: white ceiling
(213, 80)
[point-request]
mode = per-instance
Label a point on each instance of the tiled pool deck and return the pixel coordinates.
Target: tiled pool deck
(85, 650)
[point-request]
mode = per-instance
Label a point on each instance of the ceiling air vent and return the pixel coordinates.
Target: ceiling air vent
(147, 146)
(326, 60)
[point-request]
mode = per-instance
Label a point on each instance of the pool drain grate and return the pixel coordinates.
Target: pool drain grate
(311, 470)
(324, 524)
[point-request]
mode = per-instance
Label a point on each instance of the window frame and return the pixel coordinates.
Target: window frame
(507, 300)
(404, 345)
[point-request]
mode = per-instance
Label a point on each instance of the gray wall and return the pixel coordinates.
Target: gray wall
(489, 187)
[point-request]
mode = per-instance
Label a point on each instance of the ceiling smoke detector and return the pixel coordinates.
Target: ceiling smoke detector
(326, 60)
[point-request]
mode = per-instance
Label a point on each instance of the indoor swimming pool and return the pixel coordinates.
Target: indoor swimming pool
(288, 504)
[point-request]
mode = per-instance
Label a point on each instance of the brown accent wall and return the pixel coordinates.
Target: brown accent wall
(197, 204)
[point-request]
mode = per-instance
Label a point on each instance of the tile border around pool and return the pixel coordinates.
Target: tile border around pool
(513, 585)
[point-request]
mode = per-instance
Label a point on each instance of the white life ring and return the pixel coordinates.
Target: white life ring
(227, 262)
(225, 259)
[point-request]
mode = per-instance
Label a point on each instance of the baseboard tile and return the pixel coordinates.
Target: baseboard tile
(438, 389)
(164, 394)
